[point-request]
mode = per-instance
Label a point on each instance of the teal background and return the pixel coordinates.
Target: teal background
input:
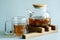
(12, 8)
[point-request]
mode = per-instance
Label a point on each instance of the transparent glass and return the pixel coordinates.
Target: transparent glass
(16, 26)
(39, 16)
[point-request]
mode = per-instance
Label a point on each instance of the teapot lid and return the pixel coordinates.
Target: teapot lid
(39, 5)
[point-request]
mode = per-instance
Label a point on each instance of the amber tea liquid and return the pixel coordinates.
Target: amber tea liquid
(38, 22)
(19, 29)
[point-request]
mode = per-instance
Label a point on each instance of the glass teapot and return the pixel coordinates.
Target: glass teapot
(39, 16)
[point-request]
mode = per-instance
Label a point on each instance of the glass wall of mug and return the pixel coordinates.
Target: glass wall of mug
(16, 26)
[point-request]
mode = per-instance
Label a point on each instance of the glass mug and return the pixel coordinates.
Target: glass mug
(17, 27)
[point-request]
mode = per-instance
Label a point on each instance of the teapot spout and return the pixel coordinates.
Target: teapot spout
(29, 13)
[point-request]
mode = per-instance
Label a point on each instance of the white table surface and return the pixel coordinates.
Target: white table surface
(51, 36)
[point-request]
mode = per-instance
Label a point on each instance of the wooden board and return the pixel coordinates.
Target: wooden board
(34, 34)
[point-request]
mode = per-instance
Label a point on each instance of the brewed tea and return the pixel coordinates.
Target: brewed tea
(39, 22)
(19, 29)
